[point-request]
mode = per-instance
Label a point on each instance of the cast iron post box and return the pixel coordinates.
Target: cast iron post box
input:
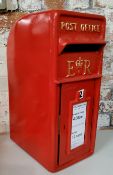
(55, 70)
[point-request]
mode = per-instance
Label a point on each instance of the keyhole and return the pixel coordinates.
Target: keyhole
(81, 93)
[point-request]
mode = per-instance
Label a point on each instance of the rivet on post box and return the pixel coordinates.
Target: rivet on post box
(54, 76)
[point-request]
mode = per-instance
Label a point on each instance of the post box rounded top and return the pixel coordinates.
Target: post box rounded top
(68, 13)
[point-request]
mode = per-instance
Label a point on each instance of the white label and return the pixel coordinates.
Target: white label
(78, 125)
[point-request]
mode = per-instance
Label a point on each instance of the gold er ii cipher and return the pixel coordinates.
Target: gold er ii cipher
(75, 67)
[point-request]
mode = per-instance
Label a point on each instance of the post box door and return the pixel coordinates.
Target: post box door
(75, 120)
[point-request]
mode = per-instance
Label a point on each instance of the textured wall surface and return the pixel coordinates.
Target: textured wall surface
(103, 7)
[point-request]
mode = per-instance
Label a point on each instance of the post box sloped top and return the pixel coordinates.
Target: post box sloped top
(46, 35)
(67, 13)
(70, 27)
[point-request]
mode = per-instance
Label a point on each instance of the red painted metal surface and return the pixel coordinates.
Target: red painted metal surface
(53, 55)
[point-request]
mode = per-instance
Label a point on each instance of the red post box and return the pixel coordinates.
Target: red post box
(55, 70)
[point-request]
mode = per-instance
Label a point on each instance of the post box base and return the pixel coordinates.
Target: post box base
(57, 167)
(66, 165)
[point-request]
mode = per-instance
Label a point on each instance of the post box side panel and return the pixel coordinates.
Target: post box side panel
(74, 146)
(29, 86)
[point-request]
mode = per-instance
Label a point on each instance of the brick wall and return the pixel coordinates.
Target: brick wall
(19, 8)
